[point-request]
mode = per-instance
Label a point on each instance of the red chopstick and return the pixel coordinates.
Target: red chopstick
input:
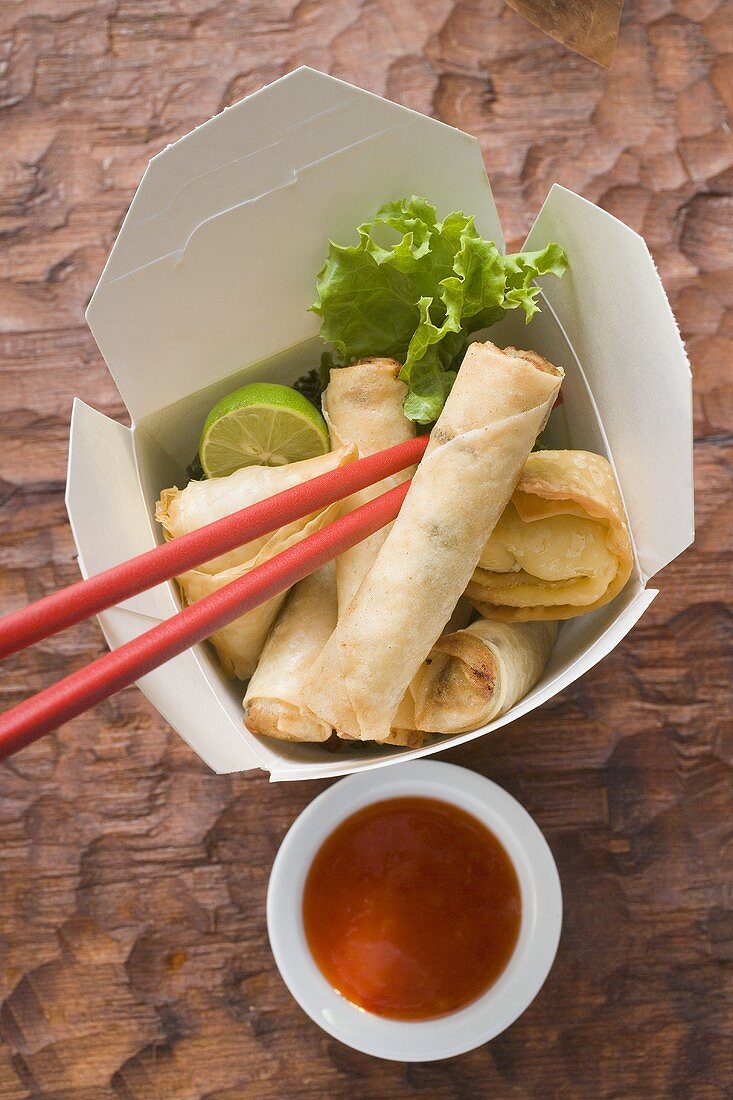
(83, 689)
(84, 598)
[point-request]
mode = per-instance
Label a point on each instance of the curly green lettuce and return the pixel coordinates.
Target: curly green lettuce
(419, 297)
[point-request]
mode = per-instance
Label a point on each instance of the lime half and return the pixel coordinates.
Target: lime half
(262, 424)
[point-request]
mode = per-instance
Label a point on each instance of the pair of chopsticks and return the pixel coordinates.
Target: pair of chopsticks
(83, 689)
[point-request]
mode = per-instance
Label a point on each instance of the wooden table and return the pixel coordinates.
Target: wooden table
(133, 952)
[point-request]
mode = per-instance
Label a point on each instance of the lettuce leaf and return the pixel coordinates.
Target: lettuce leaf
(414, 288)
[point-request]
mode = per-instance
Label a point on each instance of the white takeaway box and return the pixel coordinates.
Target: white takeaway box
(207, 287)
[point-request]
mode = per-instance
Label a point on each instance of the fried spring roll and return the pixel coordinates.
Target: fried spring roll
(475, 675)
(562, 546)
(304, 625)
(363, 407)
(499, 404)
(182, 510)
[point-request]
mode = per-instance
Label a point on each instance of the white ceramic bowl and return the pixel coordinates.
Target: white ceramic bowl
(527, 969)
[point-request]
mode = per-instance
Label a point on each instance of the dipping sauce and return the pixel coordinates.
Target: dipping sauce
(411, 908)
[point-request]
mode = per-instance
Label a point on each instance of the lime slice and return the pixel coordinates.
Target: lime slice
(261, 425)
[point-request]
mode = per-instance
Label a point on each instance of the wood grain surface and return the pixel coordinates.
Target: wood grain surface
(133, 952)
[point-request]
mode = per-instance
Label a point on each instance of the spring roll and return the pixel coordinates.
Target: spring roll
(304, 625)
(273, 701)
(405, 731)
(562, 546)
(475, 675)
(498, 405)
(182, 510)
(362, 405)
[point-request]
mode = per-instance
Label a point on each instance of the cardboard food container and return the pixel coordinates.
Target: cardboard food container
(207, 287)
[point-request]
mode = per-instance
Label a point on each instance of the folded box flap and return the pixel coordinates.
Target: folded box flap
(615, 313)
(249, 149)
(201, 283)
(110, 524)
(109, 519)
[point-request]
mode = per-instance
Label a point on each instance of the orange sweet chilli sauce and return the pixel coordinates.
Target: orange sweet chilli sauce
(411, 908)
